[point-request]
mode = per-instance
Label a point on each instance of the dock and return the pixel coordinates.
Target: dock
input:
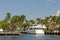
(24, 32)
(9, 33)
(52, 33)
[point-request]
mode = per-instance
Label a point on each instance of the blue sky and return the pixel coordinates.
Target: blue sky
(31, 8)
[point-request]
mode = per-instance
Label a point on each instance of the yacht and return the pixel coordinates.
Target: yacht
(36, 29)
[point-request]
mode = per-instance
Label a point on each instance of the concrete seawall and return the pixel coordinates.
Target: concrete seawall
(9, 33)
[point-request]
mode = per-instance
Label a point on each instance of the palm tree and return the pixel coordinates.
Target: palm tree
(16, 18)
(8, 17)
(15, 21)
(7, 20)
(18, 21)
(38, 20)
(32, 22)
(23, 18)
(26, 25)
(58, 20)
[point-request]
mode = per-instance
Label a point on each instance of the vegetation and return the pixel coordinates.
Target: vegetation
(19, 22)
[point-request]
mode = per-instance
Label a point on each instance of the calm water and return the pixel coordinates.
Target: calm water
(31, 37)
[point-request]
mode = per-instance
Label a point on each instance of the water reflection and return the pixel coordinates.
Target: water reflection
(31, 37)
(9, 37)
(47, 37)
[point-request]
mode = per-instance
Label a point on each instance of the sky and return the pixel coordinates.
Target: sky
(32, 9)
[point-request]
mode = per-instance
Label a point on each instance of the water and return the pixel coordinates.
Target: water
(31, 37)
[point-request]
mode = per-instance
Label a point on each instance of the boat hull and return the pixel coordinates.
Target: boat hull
(35, 31)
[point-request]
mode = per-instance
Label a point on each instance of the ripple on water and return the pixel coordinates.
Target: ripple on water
(31, 37)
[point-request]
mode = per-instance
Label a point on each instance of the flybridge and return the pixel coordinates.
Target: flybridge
(38, 26)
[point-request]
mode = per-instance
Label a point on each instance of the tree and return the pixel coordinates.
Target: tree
(15, 18)
(4, 25)
(58, 20)
(53, 18)
(23, 18)
(1, 24)
(38, 20)
(7, 17)
(32, 22)
(15, 21)
(27, 24)
(18, 21)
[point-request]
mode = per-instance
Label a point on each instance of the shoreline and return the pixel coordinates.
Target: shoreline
(52, 33)
(10, 33)
(19, 33)
(46, 33)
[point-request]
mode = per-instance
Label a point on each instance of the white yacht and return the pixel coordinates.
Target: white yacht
(36, 29)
